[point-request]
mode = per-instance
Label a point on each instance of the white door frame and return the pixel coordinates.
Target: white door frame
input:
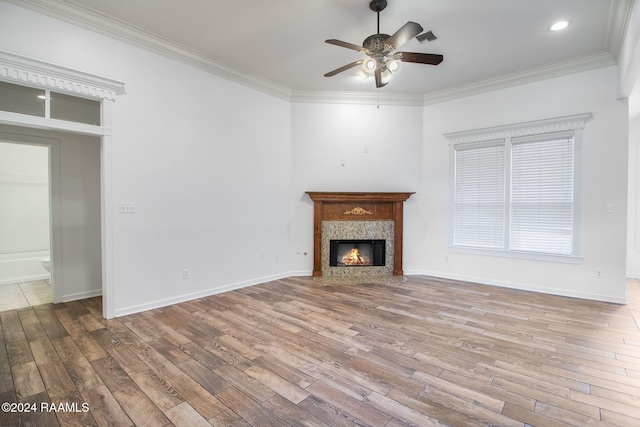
(25, 71)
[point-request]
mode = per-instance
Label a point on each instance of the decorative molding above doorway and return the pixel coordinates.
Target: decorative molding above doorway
(31, 72)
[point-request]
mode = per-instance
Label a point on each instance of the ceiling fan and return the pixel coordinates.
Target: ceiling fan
(382, 59)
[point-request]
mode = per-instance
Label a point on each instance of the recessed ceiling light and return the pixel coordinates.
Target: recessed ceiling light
(559, 26)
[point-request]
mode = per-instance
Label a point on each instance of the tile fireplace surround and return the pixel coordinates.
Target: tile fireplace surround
(343, 215)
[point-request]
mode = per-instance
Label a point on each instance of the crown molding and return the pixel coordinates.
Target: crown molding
(571, 66)
(618, 23)
(558, 69)
(357, 98)
(85, 18)
(30, 72)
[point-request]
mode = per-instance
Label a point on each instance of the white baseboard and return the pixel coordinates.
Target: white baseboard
(239, 285)
(82, 295)
(519, 286)
(204, 293)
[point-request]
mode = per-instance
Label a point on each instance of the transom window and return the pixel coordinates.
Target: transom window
(49, 104)
(516, 189)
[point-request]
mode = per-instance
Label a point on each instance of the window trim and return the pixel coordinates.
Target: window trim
(520, 131)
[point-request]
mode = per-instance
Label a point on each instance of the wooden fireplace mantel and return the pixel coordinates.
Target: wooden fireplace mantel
(347, 206)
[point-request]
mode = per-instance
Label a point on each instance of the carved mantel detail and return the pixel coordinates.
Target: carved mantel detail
(358, 211)
(339, 206)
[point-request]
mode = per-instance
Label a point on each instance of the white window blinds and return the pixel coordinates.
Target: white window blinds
(517, 189)
(479, 218)
(516, 194)
(541, 214)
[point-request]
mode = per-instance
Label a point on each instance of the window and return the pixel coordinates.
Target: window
(542, 182)
(479, 196)
(517, 188)
(75, 109)
(45, 103)
(22, 99)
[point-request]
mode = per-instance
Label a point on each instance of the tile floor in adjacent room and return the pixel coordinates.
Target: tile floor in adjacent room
(24, 294)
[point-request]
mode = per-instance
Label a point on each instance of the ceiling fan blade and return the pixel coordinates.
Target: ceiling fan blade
(420, 58)
(345, 44)
(343, 68)
(404, 34)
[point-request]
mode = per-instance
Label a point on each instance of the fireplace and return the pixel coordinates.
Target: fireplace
(357, 253)
(357, 217)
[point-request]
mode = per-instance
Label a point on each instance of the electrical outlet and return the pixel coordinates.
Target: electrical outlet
(598, 273)
(186, 274)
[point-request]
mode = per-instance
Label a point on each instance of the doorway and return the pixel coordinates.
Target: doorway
(25, 226)
(74, 209)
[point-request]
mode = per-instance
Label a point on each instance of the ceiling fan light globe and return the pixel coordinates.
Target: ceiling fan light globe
(363, 75)
(386, 76)
(393, 65)
(369, 64)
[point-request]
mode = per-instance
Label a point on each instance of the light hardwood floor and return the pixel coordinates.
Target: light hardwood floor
(307, 352)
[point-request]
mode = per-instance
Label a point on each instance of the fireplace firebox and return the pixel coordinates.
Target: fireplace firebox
(357, 253)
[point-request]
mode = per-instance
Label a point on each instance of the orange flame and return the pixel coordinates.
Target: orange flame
(353, 257)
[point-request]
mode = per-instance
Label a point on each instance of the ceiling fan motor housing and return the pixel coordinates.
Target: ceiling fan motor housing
(375, 44)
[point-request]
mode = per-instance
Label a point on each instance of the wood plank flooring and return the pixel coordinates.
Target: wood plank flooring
(307, 352)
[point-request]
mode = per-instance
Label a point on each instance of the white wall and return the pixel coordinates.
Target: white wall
(79, 198)
(604, 181)
(380, 148)
(629, 78)
(206, 162)
(24, 212)
(633, 232)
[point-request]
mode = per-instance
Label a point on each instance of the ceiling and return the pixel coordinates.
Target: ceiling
(279, 44)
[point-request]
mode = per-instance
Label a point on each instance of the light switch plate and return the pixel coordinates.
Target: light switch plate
(127, 207)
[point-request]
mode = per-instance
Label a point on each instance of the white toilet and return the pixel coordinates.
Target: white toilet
(46, 264)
